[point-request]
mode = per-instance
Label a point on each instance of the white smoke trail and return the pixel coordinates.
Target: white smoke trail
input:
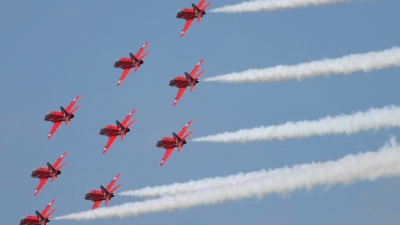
(386, 117)
(363, 166)
(271, 5)
(192, 186)
(344, 65)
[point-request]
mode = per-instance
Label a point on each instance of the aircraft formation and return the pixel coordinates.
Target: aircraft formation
(121, 128)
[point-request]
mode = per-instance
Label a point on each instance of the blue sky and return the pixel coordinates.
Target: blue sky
(51, 52)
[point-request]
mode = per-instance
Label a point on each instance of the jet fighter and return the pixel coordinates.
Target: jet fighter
(127, 63)
(183, 82)
(113, 131)
(57, 117)
(40, 218)
(44, 173)
(104, 194)
(189, 14)
(178, 140)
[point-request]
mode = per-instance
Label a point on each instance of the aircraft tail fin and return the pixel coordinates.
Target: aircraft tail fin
(105, 192)
(51, 168)
(176, 136)
(195, 8)
(40, 216)
(134, 59)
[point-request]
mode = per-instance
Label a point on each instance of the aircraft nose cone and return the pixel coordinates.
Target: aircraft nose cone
(58, 172)
(72, 116)
(127, 130)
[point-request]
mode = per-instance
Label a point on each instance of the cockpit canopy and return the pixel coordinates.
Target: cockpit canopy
(34, 169)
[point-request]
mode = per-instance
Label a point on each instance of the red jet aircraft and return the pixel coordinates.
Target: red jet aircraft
(183, 82)
(189, 14)
(44, 173)
(40, 218)
(113, 131)
(104, 194)
(178, 140)
(57, 117)
(127, 63)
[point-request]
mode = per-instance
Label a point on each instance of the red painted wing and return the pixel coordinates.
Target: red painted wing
(109, 142)
(200, 4)
(71, 104)
(186, 26)
(138, 53)
(96, 204)
(112, 182)
(166, 154)
(46, 209)
(123, 75)
(184, 129)
(128, 117)
(40, 185)
(55, 164)
(178, 96)
(53, 129)
(194, 70)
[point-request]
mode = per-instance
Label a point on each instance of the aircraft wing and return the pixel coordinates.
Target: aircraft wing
(180, 134)
(138, 53)
(53, 129)
(123, 75)
(55, 164)
(71, 104)
(200, 4)
(128, 117)
(109, 142)
(40, 185)
(47, 207)
(194, 70)
(178, 96)
(96, 204)
(112, 182)
(186, 26)
(166, 154)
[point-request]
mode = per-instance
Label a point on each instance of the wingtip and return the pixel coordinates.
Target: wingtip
(35, 193)
(104, 150)
(119, 83)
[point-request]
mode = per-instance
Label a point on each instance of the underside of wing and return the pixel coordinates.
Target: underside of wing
(200, 4)
(55, 164)
(46, 209)
(183, 130)
(127, 118)
(112, 182)
(194, 70)
(166, 155)
(186, 26)
(109, 142)
(96, 204)
(53, 129)
(178, 96)
(40, 185)
(123, 75)
(71, 104)
(138, 53)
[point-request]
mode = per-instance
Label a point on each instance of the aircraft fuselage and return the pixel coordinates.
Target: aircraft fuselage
(96, 195)
(55, 116)
(110, 130)
(31, 220)
(187, 13)
(124, 63)
(167, 142)
(42, 173)
(180, 82)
